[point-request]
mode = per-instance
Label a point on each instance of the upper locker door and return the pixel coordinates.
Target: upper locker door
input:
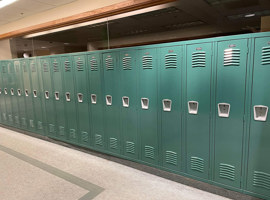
(230, 110)
(7, 82)
(10, 91)
(129, 103)
(70, 98)
(4, 92)
(82, 98)
(170, 68)
(37, 96)
(198, 107)
(48, 95)
(58, 98)
(258, 162)
(96, 99)
(13, 95)
(112, 101)
(148, 112)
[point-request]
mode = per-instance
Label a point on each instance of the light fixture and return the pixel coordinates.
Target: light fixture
(43, 47)
(250, 15)
(4, 3)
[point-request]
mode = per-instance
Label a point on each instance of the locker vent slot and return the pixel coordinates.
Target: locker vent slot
(227, 171)
(4, 69)
(260, 113)
(31, 122)
(67, 66)
(39, 125)
(265, 55)
(23, 121)
(45, 67)
(197, 164)
(10, 118)
(113, 143)
(5, 116)
(72, 133)
(171, 61)
(56, 95)
(109, 63)
(198, 59)
(261, 179)
(55, 67)
(127, 63)
(17, 120)
(171, 157)
(93, 99)
(149, 152)
(98, 139)
(12, 91)
(33, 67)
(79, 65)
(61, 130)
(84, 136)
(130, 147)
(94, 64)
(231, 57)
(35, 93)
(51, 128)
(147, 62)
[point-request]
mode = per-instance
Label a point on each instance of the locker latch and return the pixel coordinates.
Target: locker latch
(35, 93)
(93, 98)
(12, 91)
(125, 101)
(46, 94)
(167, 104)
(224, 110)
(80, 97)
(5, 90)
(260, 113)
(193, 107)
(145, 103)
(108, 100)
(19, 92)
(67, 96)
(26, 93)
(56, 96)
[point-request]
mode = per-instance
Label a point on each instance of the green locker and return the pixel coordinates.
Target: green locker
(112, 101)
(129, 103)
(97, 99)
(148, 97)
(58, 98)
(1, 95)
(70, 99)
(82, 98)
(230, 110)
(48, 96)
(13, 94)
(37, 96)
(4, 92)
(198, 104)
(258, 179)
(28, 94)
(170, 72)
(7, 86)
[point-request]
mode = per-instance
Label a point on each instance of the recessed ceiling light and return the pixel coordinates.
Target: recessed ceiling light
(250, 15)
(43, 47)
(66, 43)
(4, 3)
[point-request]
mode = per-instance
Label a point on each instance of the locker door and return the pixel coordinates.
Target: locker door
(112, 101)
(3, 92)
(170, 105)
(199, 64)
(16, 79)
(230, 105)
(70, 99)
(28, 95)
(82, 99)
(48, 96)
(96, 99)
(1, 95)
(258, 180)
(37, 95)
(129, 103)
(8, 82)
(58, 98)
(13, 94)
(148, 98)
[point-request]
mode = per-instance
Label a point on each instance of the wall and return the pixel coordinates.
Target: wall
(5, 51)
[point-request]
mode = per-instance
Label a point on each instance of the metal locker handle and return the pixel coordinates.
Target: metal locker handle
(47, 94)
(56, 95)
(80, 97)
(125, 102)
(145, 103)
(167, 105)
(12, 91)
(260, 112)
(5, 90)
(108, 100)
(19, 92)
(224, 110)
(0, 90)
(26, 93)
(193, 107)
(35, 93)
(93, 98)
(67, 96)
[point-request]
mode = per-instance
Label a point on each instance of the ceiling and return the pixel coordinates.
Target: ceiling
(23, 8)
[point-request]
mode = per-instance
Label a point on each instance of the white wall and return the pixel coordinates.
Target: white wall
(5, 52)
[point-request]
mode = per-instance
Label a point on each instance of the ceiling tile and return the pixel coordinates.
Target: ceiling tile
(56, 3)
